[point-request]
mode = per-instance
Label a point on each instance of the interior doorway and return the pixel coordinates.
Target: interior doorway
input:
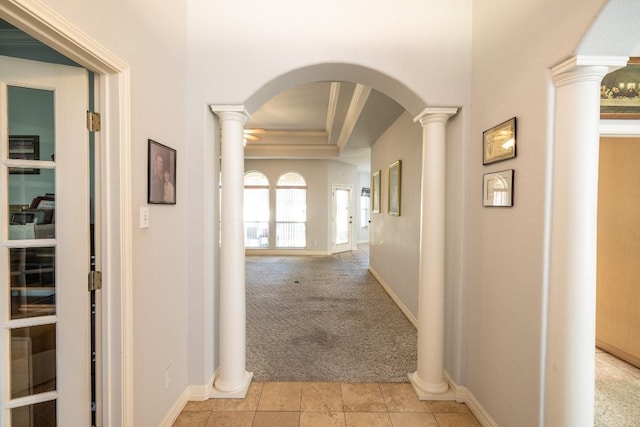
(342, 218)
(112, 84)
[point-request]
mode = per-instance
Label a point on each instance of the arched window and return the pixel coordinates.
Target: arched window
(291, 211)
(256, 210)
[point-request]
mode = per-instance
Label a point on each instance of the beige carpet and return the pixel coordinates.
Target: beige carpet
(324, 318)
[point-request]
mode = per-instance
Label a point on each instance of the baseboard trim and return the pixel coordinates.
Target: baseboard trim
(176, 409)
(280, 252)
(395, 297)
(463, 395)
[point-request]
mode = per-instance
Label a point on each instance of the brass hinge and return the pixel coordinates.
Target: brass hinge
(93, 121)
(95, 280)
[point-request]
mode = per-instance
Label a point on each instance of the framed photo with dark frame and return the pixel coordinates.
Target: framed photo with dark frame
(24, 147)
(499, 142)
(395, 181)
(161, 188)
(375, 192)
(497, 189)
(620, 92)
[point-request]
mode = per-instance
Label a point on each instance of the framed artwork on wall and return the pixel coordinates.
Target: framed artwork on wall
(375, 192)
(161, 173)
(395, 175)
(620, 92)
(499, 142)
(498, 189)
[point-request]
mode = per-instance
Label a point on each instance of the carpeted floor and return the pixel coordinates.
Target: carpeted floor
(617, 392)
(324, 318)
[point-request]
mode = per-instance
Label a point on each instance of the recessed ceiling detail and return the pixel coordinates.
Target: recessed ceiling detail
(337, 120)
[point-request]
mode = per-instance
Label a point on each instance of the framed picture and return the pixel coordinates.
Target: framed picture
(499, 142)
(395, 175)
(24, 147)
(620, 92)
(375, 193)
(161, 174)
(497, 188)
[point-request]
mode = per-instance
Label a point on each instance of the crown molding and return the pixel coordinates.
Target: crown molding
(359, 99)
(291, 151)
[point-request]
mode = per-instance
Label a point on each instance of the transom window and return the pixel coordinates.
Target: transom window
(291, 211)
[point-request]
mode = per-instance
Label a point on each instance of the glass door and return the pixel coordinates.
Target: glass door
(45, 351)
(342, 218)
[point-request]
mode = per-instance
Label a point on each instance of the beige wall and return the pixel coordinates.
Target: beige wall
(618, 288)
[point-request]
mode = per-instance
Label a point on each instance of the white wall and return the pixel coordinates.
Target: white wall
(151, 40)
(506, 246)
(395, 240)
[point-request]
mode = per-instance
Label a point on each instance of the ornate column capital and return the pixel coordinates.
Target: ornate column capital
(231, 112)
(582, 68)
(435, 114)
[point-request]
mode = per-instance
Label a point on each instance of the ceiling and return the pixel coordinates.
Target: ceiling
(322, 120)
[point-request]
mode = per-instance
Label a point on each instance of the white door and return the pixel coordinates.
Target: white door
(44, 237)
(342, 218)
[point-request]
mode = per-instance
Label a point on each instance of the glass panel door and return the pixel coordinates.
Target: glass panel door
(45, 310)
(342, 218)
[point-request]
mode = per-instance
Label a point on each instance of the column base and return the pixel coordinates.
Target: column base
(219, 391)
(428, 392)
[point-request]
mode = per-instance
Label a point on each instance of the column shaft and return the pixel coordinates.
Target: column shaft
(232, 379)
(428, 380)
(570, 368)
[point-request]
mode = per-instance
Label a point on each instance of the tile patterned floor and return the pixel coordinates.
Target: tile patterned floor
(307, 404)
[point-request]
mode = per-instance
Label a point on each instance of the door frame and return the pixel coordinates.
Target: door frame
(334, 224)
(113, 101)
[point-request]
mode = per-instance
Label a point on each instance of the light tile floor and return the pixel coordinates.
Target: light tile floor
(306, 404)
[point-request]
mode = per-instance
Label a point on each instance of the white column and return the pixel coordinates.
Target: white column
(428, 381)
(232, 379)
(570, 363)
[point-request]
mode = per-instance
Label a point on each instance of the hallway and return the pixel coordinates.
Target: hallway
(324, 318)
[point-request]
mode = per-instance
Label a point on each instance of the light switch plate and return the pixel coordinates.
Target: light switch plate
(144, 217)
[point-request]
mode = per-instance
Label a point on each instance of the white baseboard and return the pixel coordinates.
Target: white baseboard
(463, 395)
(175, 410)
(395, 298)
(192, 392)
(280, 252)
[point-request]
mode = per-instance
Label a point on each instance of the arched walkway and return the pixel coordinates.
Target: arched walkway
(429, 382)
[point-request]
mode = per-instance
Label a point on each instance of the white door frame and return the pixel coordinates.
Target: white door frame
(113, 101)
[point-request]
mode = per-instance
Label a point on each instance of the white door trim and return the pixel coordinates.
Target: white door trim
(37, 19)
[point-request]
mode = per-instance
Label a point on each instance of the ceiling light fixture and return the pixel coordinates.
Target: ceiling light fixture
(250, 134)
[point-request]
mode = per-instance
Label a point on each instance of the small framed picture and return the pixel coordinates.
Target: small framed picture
(499, 142)
(161, 187)
(620, 92)
(375, 192)
(497, 189)
(395, 175)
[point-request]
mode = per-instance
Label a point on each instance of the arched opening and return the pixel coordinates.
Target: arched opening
(429, 380)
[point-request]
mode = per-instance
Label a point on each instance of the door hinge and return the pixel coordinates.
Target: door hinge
(93, 121)
(95, 280)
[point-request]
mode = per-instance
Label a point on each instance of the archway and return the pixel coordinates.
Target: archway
(428, 381)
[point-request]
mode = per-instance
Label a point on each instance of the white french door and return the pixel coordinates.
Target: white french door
(342, 223)
(44, 244)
